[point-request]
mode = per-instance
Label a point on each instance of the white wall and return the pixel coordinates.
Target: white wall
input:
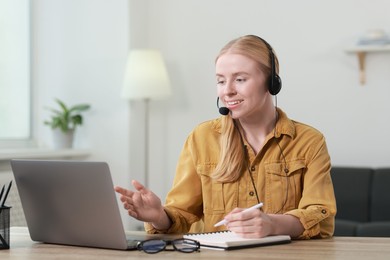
(79, 54)
(80, 48)
(320, 80)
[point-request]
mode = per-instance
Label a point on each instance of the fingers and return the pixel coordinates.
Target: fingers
(130, 210)
(236, 210)
(249, 228)
(248, 224)
(140, 203)
(126, 199)
(238, 214)
(123, 191)
(138, 186)
(239, 218)
(131, 199)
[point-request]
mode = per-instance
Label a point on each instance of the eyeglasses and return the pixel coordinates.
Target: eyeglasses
(153, 246)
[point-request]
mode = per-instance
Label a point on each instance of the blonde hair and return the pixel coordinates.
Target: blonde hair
(233, 156)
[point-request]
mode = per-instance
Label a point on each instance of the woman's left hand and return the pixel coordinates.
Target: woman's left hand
(250, 224)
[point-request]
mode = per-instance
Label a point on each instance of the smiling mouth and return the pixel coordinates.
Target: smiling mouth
(232, 103)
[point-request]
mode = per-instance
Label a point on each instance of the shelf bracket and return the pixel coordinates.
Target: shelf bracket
(361, 52)
(362, 70)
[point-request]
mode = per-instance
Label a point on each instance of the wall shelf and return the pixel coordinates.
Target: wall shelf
(41, 153)
(361, 51)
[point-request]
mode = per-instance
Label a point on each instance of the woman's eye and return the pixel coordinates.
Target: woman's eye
(220, 82)
(240, 80)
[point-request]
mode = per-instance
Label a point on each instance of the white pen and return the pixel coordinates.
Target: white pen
(223, 222)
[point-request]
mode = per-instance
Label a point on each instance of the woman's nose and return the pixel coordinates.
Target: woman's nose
(229, 88)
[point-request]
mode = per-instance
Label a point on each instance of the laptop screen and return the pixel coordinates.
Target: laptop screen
(70, 202)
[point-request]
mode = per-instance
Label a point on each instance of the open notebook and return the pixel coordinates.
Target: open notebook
(228, 240)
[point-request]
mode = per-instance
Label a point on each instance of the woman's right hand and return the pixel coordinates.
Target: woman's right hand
(142, 204)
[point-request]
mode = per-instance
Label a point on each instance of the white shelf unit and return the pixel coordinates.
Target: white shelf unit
(361, 51)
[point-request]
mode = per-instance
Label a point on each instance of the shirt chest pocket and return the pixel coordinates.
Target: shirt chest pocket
(212, 191)
(283, 189)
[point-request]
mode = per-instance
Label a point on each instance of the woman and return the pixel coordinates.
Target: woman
(253, 154)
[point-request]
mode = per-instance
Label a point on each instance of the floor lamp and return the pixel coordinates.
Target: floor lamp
(146, 78)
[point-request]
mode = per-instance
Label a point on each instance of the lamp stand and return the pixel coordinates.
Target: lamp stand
(146, 142)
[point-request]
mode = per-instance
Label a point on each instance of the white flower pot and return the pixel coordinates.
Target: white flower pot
(62, 140)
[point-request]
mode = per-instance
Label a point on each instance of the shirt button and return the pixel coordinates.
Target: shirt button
(323, 211)
(251, 193)
(253, 168)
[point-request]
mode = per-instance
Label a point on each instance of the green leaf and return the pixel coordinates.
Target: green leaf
(66, 118)
(79, 108)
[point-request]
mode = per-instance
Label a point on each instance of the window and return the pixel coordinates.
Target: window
(15, 96)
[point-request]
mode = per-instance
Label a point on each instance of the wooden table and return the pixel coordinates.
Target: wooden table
(335, 248)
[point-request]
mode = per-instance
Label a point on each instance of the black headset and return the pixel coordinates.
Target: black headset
(274, 81)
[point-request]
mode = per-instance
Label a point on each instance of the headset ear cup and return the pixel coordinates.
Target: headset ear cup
(274, 81)
(275, 85)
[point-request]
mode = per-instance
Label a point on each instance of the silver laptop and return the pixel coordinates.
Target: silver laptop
(71, 203)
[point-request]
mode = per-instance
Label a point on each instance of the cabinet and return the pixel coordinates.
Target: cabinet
(361, 51)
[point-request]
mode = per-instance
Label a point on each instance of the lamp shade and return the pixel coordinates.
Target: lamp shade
(146, 76)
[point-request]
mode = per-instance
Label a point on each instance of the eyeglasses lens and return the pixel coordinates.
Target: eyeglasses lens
(186, 245)
(153, 246)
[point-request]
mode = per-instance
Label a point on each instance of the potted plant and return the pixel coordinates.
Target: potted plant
(64, 121)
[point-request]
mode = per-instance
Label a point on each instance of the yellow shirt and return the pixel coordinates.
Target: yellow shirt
(305, 191)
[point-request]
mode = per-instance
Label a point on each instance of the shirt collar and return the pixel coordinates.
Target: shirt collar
(284, 125)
